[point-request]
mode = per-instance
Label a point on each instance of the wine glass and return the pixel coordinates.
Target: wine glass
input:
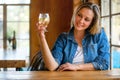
(44, 19)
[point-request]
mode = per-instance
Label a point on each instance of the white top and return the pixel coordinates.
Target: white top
(78, 58)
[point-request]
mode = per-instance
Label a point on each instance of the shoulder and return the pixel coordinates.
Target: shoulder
(62, 36)
(101, 36)
(61, 40)
(97, 35)
(101, 33)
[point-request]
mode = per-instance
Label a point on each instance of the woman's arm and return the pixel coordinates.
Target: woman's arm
(102, 61)
(49, 60)
(87, 66)
(76, 67)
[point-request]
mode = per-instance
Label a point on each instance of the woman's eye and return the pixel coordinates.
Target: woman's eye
(79, 15)
(87, 19)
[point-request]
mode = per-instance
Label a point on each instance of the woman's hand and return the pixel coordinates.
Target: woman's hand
(41, 29)
(68, 66)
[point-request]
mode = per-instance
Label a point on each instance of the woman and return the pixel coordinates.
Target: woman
(85, 47)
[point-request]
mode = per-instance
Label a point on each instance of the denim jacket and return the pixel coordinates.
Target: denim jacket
(95, 49)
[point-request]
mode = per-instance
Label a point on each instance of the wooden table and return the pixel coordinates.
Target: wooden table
(12, 59)
(66, 75)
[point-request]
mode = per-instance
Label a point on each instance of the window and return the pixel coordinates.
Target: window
(14, 1)
(1, 26)
(14, 16)
(110, 20)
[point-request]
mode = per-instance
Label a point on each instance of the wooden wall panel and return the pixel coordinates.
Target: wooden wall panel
(76, 3)
(34, 12)
(60, 15)
(95, 1)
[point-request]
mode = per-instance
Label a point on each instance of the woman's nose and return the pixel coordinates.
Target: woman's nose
(81, 20)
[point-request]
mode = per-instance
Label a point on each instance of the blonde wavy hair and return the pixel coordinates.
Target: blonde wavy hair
(94, 27)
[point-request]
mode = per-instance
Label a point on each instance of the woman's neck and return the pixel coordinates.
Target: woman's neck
(79, 34)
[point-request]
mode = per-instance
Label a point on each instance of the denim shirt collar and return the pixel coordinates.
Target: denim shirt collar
(71, 35)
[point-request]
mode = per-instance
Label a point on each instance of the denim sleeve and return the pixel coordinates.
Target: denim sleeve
(102, 62)
(57, 50)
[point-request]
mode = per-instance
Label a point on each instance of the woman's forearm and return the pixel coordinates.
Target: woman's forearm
(88, 66)
(49, 60)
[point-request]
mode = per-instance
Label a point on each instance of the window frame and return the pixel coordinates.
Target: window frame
(110, 15)
(5, 21)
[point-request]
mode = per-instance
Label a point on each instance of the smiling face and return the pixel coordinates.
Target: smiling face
(83, 19)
